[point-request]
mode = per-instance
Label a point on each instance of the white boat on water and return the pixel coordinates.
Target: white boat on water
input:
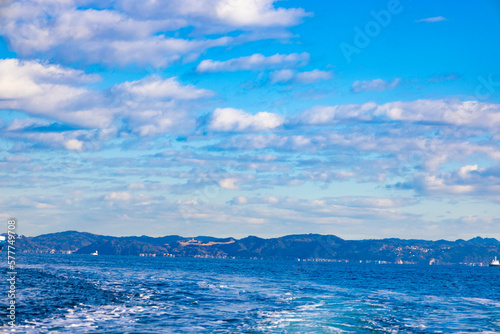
(94, 253)
(495, 263)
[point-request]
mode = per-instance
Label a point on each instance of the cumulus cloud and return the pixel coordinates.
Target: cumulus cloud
(73, 144)
(25, 79)
(465, 171)
(118, 196)
(229, 183)
(50, 91)
(61, 95)
(364, 151)
(471, 113)
(432, 19)
(469, 180)
(452, 112)
(230, 119)
(155, 105)
(282, 76)
(256, 13)
(156, 87)
(254, 62)
(60, 30)
(225, 15)
(127, 32)
(376, 85)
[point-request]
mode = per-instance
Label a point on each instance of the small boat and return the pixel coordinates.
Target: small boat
(495, 263)
(95, 253)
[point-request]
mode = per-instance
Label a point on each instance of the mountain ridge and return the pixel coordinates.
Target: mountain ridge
(308, 247)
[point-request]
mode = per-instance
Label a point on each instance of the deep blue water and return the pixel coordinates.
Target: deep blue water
(107, 294)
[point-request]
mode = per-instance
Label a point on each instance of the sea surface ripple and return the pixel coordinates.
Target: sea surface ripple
(126, 294)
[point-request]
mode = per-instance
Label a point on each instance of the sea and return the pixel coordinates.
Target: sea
(129, 294)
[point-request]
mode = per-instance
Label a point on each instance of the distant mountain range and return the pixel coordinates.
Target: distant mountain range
(306, 247)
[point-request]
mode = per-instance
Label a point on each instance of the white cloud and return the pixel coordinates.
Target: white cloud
(36, 202)
(25, 79)
(288, 75)
(281, 76)
(285, 216)
(18, 158)
(376, 85)
(127, 32)
(225, 14)
(313, 76)
(322, 115)
(340, 212)
(151, 123)
(433, 184)
(230, 119)
(397, 150)
(453, 112)
(73, 144)
(471, 113)
(256, 13)
(328, 176)
(69, 140)
(158, 88)
(376, 202)
(240, 200)
(272, 199)
(345, 201)
(432, 19)
(254, 62)
(448, 77)
(147, 106)
(464, 172)
(49, 91)
(21, 124)
(229, 183)
(254, 142)
(119, 196)
(467, 180)
(95, 36)
(159, 51)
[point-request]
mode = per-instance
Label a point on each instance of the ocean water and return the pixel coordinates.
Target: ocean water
(119, 294)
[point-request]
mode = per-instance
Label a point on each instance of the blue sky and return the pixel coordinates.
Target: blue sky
(364, 119)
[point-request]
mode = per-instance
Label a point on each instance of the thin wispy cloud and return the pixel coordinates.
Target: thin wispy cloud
(288, 75)
(254, 62)
(432, 19)
(444, 78)
(376, 85)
